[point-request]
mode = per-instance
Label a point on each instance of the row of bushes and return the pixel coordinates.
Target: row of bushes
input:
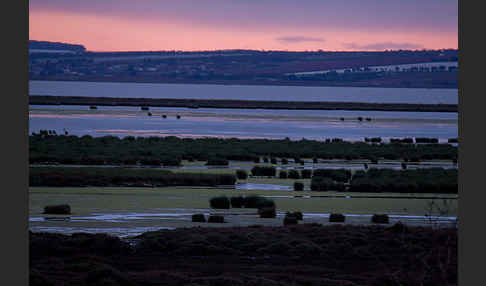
(114, 150)
(102, 177)
(339, 175)
(252, 201)
(430, 180)
(211, 218)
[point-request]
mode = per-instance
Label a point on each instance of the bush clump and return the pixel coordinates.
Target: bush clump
(264, 171)
(284, 161)
(306, 174)
(221, 202)
(380, 218)
(294, 174)
(217, 162)
(198, 218)
(298, 215)
(335, 217)
(298, 186)
(237, 202)
(241, 174)
(338, 175)
(322, 184)
(57, 209)
(267, 212)
(290, 220)
(216, 219)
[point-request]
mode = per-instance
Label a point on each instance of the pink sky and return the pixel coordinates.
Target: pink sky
(123, 31)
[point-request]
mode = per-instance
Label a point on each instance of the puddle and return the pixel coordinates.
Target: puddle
(265, 187)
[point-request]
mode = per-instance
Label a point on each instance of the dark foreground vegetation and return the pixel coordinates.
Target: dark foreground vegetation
(106, 177)
(87, 150)
(229, 103)
(302, 254)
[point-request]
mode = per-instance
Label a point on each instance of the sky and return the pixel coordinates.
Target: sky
(293, 25)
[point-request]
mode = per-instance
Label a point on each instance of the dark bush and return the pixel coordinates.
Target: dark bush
(265, 160)
(283, 174)
(217, 162)
(284, 161)
(241, 174)
(93, 107)
(255, 202)
(315, 160)
(256, 160)
(237, 202)
(297, 215)
(339, 175)
(323, 184)
(216, 219)
(379, 218)
(273, 160)
(198, 218)
(264, 171)
(335, 217)
(452, 140)
(298, 186)
(294, 174)
(267, 212)
(306, 174)
(144, 108)
(404, 165)
(290, 220)
(57, 209)
(221, 202)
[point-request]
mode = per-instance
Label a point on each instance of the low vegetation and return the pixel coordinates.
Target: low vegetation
(221, 202)
(106, 177)
(380, 218)
(198, 218)
(335, 217)
(325, 255)
(63, 149)
(57, 209)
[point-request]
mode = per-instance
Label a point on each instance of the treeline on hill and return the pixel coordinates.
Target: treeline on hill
(167, 151)
(103, 177)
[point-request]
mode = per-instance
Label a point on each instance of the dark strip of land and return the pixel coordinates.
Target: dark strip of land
(249, 104)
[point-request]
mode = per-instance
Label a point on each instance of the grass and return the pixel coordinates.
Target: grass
(85, 201)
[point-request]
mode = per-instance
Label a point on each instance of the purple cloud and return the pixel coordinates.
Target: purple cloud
(383, 46)
(299, 39)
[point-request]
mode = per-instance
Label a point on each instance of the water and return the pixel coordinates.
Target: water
(275, 93)
(241, 123)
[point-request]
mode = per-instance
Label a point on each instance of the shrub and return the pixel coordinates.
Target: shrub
(298, 186)
(404, 165)
(339, 175)
(263, 171)
(273, 160)
(198, 218)
(323, 184)
(315, 160)
(216, 219)
(298, 215)
(283, 175)
(57, 209)
(294, 174)
(256, 160)
(335, 217)
(285, 161)
(267, 212)
(452, 140)
(217, 162)
(255, 202)
(241, 174)
(306, 174)
(379, 218)
(265, 159)
(221, 202)
(290, 220)
(237, 202)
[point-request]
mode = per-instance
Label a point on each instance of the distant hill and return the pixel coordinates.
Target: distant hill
(44, 45)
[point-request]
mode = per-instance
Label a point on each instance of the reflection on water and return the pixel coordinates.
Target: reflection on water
(240, 123)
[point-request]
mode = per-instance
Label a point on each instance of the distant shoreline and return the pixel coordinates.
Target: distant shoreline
(239, 104)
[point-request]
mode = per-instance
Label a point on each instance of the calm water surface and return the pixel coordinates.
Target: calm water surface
(243, 92)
